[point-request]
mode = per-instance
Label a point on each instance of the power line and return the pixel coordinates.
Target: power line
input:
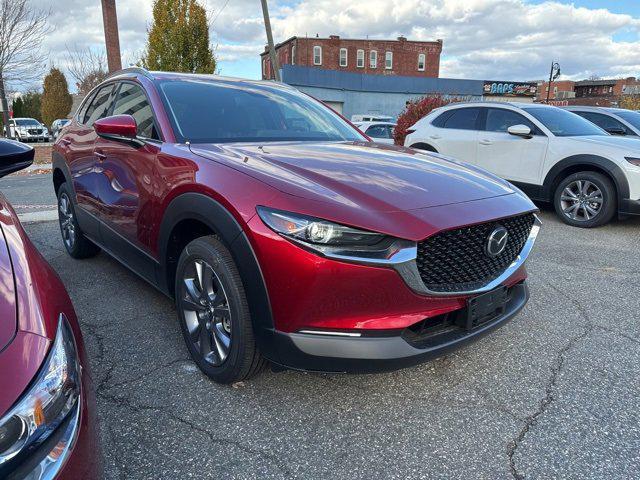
(219, 12)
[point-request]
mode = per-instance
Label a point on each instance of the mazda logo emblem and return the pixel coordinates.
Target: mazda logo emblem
(497, 241)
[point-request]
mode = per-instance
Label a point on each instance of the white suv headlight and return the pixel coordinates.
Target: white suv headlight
(54, 393)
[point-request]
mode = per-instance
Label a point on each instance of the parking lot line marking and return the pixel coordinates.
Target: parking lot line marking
(43, 216)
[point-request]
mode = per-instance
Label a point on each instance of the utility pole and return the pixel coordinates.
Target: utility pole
(111, 38)
(272, 48)
(553, 74)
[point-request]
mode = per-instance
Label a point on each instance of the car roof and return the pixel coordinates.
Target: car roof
(518, 105)
(370, 123)
(134, 72)
(587, 108)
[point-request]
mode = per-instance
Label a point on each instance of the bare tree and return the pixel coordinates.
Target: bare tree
(87, 67)
(22, 30)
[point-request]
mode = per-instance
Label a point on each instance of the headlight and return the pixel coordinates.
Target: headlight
(634, 160)
(54, 393)
(337, 241)
(316, 231)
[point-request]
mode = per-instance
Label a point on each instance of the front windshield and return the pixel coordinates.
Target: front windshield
(27, 122)
(630, 116)
(221, 112)
(563, 123)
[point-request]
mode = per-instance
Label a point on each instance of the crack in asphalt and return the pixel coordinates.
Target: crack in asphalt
(126, 402)
(550, 386)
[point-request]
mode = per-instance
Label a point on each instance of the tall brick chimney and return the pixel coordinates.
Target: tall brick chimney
(112, 42)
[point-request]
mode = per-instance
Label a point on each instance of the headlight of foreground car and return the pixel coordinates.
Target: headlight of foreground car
(51, 397)
(338, 241)
(633, 160)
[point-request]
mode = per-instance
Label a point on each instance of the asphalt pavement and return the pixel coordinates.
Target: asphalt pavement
(553, 394)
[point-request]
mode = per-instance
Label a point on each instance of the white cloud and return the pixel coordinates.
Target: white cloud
(483, 39)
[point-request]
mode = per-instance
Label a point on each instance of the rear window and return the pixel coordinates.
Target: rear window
(223, 112)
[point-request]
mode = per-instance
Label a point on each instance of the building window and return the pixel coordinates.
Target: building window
(388, 60)
(373, 59)
(343, 57)
(293, 55)
(317, 55)
(360, 59)
(421, 61)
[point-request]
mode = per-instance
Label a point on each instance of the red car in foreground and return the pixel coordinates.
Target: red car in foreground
(47, 424)
(284, 233)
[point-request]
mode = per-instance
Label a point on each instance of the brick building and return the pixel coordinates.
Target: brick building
(603, 92)
(560, 90)
(400, 57)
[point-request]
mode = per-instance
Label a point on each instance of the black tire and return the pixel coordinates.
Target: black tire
(77, 244)
(571, 200)
(240, 359)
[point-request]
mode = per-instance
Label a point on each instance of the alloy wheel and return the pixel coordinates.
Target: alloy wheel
(581, 200)
(206, 312)
(67, 223)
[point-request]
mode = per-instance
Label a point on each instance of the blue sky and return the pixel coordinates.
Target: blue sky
(483, 39)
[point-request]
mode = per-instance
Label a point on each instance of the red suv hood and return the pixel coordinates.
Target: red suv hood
(378, 177)
(8, 322)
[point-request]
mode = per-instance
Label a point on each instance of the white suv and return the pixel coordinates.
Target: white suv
(551, 154)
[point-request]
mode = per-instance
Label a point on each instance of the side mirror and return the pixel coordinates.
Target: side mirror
(119, 128)
(519, 131)
(14, 156)
(616, 131)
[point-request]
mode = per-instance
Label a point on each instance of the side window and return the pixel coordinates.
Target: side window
(131, 100)
(463, 119)
(499, 120)
(378, 131)
(390, 129)
(604, 121)
(98, 106)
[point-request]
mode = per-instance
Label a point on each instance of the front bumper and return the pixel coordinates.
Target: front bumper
(368, 354)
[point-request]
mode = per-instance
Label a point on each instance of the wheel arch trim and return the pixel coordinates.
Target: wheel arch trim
(202, 208)
(613, 170)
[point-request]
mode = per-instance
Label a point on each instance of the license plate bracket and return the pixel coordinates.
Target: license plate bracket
(485, 307)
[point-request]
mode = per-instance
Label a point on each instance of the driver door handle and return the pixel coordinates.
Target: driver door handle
(486, 142)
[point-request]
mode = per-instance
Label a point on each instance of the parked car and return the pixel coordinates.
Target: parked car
(371, 118)
(47, 409)
(381, 132)
(551, 154)
(282, 234)
(57, 125)
(615, 121)
(28, 130)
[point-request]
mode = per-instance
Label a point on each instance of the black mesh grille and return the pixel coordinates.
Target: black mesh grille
(456, 260)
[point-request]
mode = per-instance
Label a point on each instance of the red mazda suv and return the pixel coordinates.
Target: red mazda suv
(282, 232)
(47, 405)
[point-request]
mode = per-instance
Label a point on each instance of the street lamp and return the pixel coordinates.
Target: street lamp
(553, 74)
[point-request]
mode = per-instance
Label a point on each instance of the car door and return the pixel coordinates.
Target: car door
(519, 159)
(456, 133)
(79, 146)
(129, 181)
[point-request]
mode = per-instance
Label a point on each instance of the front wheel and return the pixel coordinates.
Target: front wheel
(585, 199)
(73, 238)
(214, 313)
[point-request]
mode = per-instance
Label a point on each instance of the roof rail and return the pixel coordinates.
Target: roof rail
(140, 70)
